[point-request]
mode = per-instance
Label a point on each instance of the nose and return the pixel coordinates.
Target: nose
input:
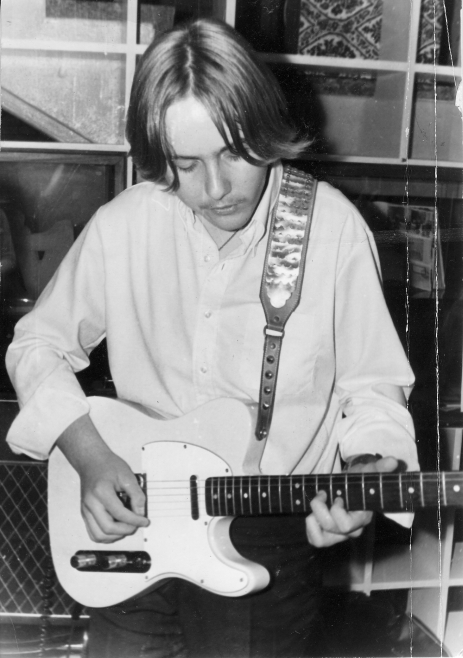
(218, 183)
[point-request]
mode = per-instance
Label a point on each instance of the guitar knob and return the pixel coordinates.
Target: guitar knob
(84, 560)
(115, 561)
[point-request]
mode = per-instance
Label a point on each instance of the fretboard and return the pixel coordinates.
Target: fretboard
(257, 495)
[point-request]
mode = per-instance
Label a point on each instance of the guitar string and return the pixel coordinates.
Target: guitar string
(351, 476)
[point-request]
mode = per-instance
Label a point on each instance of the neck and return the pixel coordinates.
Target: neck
(220, 236)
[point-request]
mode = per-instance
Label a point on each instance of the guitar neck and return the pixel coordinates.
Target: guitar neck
(258, 495)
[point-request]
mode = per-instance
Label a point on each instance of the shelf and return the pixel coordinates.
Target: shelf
(354, 65)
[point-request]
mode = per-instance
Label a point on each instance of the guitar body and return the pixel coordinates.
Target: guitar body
(168, 453)
(192, 497)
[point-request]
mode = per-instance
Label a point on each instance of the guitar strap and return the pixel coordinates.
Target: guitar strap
(280, 290)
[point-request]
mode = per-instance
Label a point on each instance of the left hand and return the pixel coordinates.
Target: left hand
(326, 527)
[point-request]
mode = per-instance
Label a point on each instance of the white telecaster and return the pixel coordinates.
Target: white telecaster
(192, 497)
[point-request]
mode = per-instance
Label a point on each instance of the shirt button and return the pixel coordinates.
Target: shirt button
(203, 369)
(207, 258)
(207, 314)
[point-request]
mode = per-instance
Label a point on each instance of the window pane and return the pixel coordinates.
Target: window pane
(72, 97)
(439, 33)
(348, 112)
(65, 20)
(437, 126)
(372, 29)
(45, 201)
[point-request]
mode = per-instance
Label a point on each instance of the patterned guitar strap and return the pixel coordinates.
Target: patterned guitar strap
(280, 290)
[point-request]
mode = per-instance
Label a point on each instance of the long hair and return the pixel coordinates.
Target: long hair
(210, 61)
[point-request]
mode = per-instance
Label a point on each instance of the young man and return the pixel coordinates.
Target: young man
(169, 273)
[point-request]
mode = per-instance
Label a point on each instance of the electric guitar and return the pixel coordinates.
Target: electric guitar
(192, 497)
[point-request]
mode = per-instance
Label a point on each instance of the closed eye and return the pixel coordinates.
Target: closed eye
(189, 168)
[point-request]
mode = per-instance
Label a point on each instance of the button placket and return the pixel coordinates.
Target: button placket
(205, 339)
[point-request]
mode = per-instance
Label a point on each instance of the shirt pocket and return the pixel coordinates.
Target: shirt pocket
(300, 349)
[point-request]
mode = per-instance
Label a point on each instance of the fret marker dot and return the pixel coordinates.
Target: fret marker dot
(229, 496)
(372, 491)
(298, 502)
(456, 487)
(297, 485)
(411, 490)
(264, 495)
(245, 495)
(215, 496)
(339, 492)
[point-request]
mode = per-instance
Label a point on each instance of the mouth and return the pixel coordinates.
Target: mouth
(229, 209)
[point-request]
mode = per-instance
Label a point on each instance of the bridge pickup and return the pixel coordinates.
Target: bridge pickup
(116, 561)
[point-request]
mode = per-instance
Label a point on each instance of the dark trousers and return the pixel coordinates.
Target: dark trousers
(180, 620)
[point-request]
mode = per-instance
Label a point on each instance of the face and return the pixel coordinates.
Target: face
(218, 186)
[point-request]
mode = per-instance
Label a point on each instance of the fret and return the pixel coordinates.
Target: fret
(290, 482)
(218, 496)
(250, 496)
(233, 496)
(259, 495)
(241, 495)
(298, 488)
(381, 495)
(331, 491)
(401, 493)
(340, 482)
(444, 487)
(304, 498)
(410, 492)
(279, 493)
(316, 484)
(373, 491)
(346, 487)
(226, 496)
(421, 490)
(363, 491)
(269, 494)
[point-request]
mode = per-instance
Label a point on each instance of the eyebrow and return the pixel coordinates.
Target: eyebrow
(176, 156)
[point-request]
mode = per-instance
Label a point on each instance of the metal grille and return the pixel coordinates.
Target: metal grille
(28, 583)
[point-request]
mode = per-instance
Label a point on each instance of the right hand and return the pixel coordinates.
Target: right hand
(103, 475)
(105, 516)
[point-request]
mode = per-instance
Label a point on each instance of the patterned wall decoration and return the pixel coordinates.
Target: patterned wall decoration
(432, 18)
(340, 28)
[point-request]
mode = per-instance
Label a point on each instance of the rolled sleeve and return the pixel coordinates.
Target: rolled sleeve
(51, 343)
(371, 366)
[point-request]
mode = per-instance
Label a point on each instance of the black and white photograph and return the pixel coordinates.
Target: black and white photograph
(231, 328)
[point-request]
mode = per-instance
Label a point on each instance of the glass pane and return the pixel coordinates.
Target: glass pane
(161, 13)
(403, 209)
(65, 20)
(436, 125)
(154, 19)
(439, 33)
(348, 112)
(72, 97)
(43, 207)
(373, 29)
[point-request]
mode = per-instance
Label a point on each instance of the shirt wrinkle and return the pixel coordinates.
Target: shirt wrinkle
(185, 328)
